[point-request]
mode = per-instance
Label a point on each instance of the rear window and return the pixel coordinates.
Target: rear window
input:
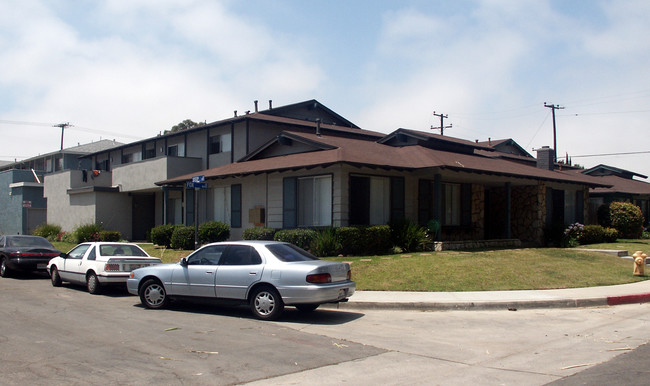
(289, 253)
(28, 241)
(121, 250)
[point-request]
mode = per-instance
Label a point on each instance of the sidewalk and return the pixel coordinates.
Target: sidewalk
(499, 300)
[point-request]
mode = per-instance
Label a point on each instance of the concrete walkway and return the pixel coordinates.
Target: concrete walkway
(499, 300)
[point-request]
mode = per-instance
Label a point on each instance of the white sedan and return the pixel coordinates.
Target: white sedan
(98, 263)
(265, 274)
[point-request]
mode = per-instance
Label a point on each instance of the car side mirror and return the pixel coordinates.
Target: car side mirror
(64, 255)
(184, 262)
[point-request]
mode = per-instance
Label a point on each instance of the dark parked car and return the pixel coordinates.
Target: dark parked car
(25, 253)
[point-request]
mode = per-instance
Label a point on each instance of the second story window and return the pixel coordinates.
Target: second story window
(220, 143)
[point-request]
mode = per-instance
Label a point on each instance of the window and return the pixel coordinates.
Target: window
(221, 200)
(209, 255)
(220, 143)
(127, 158)
(177, 150)
(315, 201)
(452, 205)
(448, 203)
(241, 255)
(78, 252)
(370, 200)
(569, 206)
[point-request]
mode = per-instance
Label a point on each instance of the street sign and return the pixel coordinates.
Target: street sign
(200, 178)
(196, 185)
(27, 204)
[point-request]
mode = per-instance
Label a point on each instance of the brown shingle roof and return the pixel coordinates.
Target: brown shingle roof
(369, 153)
(622, 185)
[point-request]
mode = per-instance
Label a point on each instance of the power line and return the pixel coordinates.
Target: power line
(70, 127)
(610, 154)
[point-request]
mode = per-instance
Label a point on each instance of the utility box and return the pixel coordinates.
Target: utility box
(256, 215)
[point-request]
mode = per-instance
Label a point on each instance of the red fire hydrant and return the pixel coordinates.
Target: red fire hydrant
(639, 263)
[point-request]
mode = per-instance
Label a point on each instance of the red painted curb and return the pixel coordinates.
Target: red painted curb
(628, 299)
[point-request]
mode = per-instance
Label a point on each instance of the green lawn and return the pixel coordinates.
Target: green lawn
(508, 269)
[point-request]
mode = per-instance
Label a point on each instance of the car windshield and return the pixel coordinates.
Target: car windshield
(289, 253)
(121, 250)
(28, 241)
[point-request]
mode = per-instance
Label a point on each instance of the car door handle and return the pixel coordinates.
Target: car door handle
(208, 272)
(253, 273)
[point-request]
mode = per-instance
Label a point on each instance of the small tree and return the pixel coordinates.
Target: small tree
(627, 218)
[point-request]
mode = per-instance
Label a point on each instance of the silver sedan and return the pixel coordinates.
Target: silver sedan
(265, 274)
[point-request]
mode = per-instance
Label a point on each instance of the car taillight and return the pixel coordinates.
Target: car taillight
(319, 278)
(111, 267)
(349, 277)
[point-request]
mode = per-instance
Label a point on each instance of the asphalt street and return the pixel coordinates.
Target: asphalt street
(66, 336)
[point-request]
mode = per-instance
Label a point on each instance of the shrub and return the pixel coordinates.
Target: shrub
(377, 239)
(110, 236)
(611, 235)
(87, 232)
(259, 234)
(351, 240)
(49, 231)
(300, 237)
(162, 234)
(407, 235)
(571, 235)
(68, 238)
(182, 237)
(213, 231)
(326, 243)
(627, 219)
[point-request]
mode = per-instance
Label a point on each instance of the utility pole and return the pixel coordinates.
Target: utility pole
(442, 126)
(62, 126)
(553, 108)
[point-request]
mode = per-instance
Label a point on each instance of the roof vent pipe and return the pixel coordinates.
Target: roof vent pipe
(255, 101)
(235, 113)
(318, 127)
(270, 104)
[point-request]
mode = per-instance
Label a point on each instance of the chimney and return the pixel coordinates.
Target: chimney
(545, 158)
(318, 127)
(255, 101)
(270, 104)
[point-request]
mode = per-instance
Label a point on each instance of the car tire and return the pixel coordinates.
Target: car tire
(4, 270)
(266, 303)
(153, 294)
(92, 283)
(56, 278)
(307, 307)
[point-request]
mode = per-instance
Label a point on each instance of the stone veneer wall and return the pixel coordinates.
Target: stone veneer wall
(528, 215)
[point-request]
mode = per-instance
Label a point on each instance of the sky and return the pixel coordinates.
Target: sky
(130, 69)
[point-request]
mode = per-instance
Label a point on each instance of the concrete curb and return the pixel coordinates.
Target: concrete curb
(476, 306)
(494, 300)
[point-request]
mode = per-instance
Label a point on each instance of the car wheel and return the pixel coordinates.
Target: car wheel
(307, 307)
(153, 294)
(266, 303)
(4, 270)
(93, 283)
(56, 278)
